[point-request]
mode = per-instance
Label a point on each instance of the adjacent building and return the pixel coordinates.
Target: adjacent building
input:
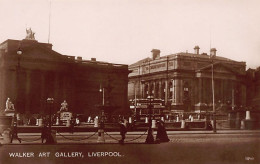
(253, 88)
(184, 80)
(31, 72)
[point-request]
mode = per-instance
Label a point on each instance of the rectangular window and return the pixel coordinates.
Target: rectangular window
(186, 63)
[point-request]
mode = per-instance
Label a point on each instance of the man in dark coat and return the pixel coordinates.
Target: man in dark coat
(161, 135)
(14, 132)
(123, 131)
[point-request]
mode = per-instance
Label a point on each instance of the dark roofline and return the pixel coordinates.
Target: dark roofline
(185, 54)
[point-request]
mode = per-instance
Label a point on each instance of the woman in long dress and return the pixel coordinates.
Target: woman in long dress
(161, 135)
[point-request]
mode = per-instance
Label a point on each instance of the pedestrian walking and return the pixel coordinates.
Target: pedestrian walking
(44, 132)
(161, 135)
(123, 131)
(14, 132)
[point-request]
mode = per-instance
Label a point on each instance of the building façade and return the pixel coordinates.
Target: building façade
(184, 80)
(253, 88)
(39, 73)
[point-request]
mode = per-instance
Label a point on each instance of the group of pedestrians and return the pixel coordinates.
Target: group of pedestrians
(161, 135)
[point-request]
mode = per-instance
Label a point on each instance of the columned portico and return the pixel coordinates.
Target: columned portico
(185, 79)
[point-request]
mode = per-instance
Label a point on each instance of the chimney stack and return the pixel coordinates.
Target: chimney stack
(197, 50)
(79, 58)
(156, 54)
(213, 52)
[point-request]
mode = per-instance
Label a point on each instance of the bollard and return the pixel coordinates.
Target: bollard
(6, 137)
(40, 122)
(130, 120)
(177, 119)
(146, 119)
(68, 123)
(57, 121)
(89, 119)
(191, 119)
(96, 122)
(248, 115)
(101, 137)
(242, 124)
(182, 124)
(153, 124)
(77, 121)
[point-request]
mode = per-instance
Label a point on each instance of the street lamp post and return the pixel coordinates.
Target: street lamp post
(50, 139)
(102, 90)
(19, 53)
(150, 138)
(213, 99)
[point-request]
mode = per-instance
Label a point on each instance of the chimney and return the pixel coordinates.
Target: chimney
(156, 54)
(197, 50)
(79, 58)
(213, 52)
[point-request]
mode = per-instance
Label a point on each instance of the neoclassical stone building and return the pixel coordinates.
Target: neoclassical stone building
(38, 72)
(184, 80)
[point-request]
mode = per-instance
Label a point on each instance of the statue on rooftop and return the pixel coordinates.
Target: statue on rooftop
(30, 34)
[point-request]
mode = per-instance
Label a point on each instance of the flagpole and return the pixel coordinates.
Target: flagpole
(49, 23)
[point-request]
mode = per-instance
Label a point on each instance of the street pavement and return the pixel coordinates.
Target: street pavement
(226, 146)
(139, 137)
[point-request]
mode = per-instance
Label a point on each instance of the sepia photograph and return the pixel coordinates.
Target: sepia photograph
(130, 81)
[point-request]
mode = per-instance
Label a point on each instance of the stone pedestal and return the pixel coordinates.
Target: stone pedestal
(5, 123)
(6, 137)
(153, 124)
(182, 124)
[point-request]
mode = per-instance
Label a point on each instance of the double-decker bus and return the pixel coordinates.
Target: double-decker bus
(140, 108)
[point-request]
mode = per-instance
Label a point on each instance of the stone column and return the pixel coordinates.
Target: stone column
(160, 89)
(148, 89)
(142, 89)
(200, 90)
(27, 92)
(243, 95)
(233, 96)
(2, 87)
(56, 91)
(179, 91)
(222, 97)
(173, 91)
(166, 91)
(42, 93)
(12, 90)
(153, 89)
(56, 85)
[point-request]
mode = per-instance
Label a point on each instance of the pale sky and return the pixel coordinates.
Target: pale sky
(125, 31)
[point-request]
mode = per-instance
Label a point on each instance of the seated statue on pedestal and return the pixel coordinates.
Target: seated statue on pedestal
(64, 106)
(9, 106)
